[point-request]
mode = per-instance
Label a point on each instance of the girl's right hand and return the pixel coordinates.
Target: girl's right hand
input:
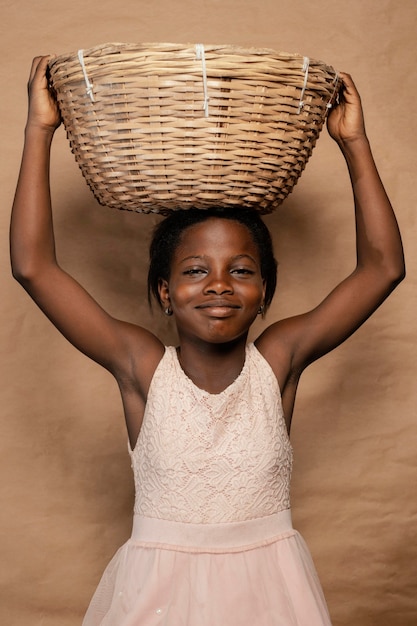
(345, 122)
(43, 108)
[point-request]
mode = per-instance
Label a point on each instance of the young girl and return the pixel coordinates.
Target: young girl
(212, 541)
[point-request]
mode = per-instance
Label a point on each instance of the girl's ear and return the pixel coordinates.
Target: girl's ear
(163, 291)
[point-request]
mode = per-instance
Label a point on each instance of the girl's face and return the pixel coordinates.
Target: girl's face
(215, 288)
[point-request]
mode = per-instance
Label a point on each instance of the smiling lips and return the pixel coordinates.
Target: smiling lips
(218, 308)
(218, 304)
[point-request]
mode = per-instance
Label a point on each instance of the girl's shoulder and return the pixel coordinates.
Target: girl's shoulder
(144, 351)
(276, 348)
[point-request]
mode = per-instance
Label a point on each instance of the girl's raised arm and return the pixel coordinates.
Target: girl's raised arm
(380, 260)
(108, 341)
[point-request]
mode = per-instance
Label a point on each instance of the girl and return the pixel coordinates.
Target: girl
(212, 541)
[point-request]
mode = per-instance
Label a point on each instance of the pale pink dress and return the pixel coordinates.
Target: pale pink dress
(212, 541)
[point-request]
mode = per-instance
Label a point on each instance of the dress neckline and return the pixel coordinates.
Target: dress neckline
(204, 392)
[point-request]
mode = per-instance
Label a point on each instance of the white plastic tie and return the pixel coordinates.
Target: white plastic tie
(200, 56)
(306, 66)
(335, 81)
(89, 86)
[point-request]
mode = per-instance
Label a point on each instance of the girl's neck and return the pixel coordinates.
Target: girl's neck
(212, 367)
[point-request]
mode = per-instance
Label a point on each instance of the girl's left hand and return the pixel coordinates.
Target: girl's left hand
(43, 108)
(345, 121)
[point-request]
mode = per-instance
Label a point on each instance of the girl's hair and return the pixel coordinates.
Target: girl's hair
(168, 233)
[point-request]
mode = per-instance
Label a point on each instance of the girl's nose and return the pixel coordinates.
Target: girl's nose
(219, 284)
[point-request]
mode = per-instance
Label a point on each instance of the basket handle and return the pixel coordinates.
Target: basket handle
(306, 65)
(336, 86)
(89, 86)
(200, 56)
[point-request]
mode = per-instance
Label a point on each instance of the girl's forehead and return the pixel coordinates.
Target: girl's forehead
(217, 231)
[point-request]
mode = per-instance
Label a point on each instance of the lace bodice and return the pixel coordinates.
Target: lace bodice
(212, 458)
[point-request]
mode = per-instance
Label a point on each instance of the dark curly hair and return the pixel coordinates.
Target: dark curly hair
(167, 236)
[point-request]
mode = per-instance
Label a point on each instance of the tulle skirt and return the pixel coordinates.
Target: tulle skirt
(257, 572)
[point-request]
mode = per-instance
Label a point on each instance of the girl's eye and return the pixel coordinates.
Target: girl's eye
(194, 270)
(242, 270)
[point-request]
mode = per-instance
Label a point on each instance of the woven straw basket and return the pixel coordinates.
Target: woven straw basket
(160, 127)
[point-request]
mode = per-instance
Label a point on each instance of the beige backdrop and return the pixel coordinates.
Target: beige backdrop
(66, 489)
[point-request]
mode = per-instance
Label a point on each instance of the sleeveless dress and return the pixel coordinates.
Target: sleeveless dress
(212, 541)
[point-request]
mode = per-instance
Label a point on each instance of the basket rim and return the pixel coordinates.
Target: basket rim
(152, 46)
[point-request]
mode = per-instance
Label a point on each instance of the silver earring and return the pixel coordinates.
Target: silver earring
(168, 311)
(261, 310)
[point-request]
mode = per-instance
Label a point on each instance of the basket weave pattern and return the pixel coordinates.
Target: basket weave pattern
(155, 127)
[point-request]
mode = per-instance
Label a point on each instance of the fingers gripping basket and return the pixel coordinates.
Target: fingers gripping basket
(160, 127)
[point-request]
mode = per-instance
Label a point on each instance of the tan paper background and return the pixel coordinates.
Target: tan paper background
(66, 489)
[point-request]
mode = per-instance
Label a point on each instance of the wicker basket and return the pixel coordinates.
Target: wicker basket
(160, 127)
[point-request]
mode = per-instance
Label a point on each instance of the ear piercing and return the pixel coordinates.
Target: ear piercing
(261, 310)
